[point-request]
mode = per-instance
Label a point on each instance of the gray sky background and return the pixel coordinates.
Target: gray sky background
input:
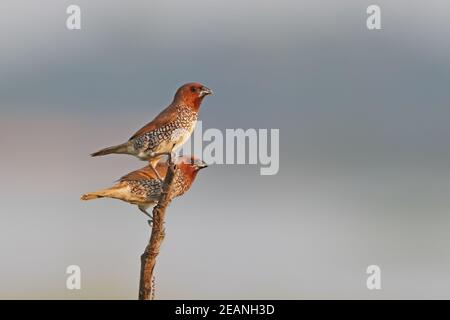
(364, 153)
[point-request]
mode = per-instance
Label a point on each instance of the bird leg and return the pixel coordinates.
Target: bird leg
(158, 154)
(156, 172)
(171, 155)
(150, 222)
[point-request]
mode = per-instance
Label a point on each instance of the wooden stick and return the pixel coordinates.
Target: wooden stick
(148, 258)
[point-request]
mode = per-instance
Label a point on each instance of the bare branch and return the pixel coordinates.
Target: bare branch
(148, 258)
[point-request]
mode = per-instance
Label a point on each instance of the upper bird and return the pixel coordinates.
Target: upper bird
(168, 131)
(142, 188)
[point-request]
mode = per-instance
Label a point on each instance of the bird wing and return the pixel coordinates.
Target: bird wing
(166, 116)
(145, 173)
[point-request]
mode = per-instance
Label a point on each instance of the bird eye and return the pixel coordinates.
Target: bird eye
(193, 89)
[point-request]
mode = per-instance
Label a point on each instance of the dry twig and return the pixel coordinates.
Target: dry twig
(148, 258)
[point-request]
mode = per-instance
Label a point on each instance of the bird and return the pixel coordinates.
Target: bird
(168, 131)
(143, 188)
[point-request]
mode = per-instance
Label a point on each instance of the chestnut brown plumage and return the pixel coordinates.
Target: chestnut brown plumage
(143, 188)
(168, 131)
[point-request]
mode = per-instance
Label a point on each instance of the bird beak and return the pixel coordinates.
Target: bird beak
(201, 165)
(204, 92)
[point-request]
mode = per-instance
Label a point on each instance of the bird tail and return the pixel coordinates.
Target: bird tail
(121, 148)
(98, 194)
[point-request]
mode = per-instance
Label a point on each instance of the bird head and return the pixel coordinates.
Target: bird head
(190, 163)
(186, 170)
(192, 94)
(189, 166)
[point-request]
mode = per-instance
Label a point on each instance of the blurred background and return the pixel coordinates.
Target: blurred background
(364, 147)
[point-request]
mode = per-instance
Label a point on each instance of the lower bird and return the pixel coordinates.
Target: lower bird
(143, 187)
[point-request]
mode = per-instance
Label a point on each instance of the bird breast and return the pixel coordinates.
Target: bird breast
(164, 137)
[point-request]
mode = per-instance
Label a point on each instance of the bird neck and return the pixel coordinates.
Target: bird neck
(187, 175)
(192, 103)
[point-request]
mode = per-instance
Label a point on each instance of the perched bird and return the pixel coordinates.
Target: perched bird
(143, 188)
(168, 131)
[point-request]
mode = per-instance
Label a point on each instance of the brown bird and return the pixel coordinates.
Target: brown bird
(168, 131)
(143, 188)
